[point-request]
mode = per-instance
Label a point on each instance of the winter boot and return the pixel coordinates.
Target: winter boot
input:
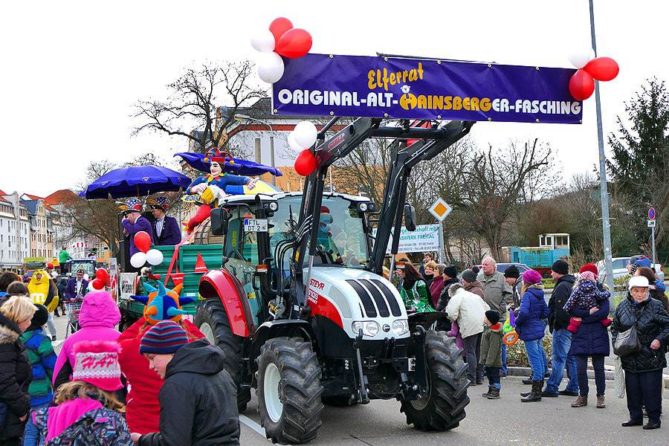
(535, 394)
(493, 394)
(581, 401)
(490, 389)
(528, 381)
(601, 404)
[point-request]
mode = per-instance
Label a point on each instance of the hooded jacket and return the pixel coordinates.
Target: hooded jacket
(142, 410)
(531, 319)
(558, 318)
(42, 359)
(198, 401)
(476, 288)
(652, 322)
(15, 376)
(591, 338)
(468, 310)
(97, 318)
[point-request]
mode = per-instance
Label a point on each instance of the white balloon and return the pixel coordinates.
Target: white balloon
(305, 134)
(138, 259)
(154, 257)
(579, 59)
(263, 41)
(293, 144)
(270, 67)
(86, 277)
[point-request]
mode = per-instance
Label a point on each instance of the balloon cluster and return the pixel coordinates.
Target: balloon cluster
(304, 135)
(143, 242)
(281, 39)
(101, 279)
(582, 83)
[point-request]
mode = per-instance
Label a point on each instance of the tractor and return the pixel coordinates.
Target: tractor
(301, 308)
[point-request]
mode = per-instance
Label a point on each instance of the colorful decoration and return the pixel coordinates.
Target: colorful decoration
(278, 27)
(294, 43)
(281, 40)
(305, 163)
(582, 82)
(200, 266)
(581, 85)
(162, 304)
(603, 68)
(142, 241)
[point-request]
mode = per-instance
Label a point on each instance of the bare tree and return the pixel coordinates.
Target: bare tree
(193, 107)
(494, 183)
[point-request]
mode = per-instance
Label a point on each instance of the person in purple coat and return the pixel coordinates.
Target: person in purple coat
(165, 229)
(133, 222)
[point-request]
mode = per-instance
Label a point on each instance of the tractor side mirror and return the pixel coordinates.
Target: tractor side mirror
(219, 221)
(409, 217)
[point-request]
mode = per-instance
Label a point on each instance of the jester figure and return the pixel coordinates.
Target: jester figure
(214, 186)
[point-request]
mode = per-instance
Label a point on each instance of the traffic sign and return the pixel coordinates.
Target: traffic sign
(440, 209)
(651, 214)
(651, 223)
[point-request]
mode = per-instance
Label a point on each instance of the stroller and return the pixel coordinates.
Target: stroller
(73, 307)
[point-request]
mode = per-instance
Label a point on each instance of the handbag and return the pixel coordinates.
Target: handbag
(627, 342)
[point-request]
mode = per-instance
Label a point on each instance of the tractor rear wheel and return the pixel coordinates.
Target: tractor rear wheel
(212, 320)
(443, 406)
(289, 390)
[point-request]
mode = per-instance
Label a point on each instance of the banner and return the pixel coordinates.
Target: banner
(385, 87)
(424, 238)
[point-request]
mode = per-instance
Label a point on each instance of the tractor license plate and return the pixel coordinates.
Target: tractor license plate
(255, 225)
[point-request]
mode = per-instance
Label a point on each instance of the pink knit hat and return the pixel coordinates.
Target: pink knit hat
(96, 363)
(531, 277)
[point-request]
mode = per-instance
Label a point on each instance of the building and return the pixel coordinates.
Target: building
(41, 227)
(14, 232)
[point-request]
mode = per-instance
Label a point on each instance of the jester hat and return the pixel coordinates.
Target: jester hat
(160, 202)
(161, 304)
(131, 205)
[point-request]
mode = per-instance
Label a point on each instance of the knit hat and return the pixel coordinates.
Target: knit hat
(451, 271)
(587, 275)
(492, 316)
(164, 338)
(39, 318)
(590, 267)
(96, 362)
(637, 282)
(560, 267)
(531, 277)
(643, 262)
(469, 276)
(512, 272)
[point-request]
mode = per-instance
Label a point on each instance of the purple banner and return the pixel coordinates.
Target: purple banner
(385, 87)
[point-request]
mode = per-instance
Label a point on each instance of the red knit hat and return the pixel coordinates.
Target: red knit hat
(590, 267)
(96, 362)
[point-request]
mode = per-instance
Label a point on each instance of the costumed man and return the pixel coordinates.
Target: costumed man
(133, 222)
(215, 186)
(143, 406)
(165, 229)
(324, 240)
(43, 291)
(76, 286)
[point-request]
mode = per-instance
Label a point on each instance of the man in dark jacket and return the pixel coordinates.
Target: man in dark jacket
(76, 286)
(165, 229)
(558, 320)
(198, 400)
(450, 277)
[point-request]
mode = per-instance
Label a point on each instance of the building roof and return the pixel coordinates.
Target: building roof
(61, 196)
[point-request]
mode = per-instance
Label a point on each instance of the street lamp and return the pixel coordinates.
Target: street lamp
(240, 116)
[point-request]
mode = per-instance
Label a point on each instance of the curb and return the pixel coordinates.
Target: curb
(609, 373)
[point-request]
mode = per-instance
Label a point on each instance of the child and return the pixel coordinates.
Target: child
(87, 410)
(42, 359)
(196, 386)
(491, 353)
(586, 296)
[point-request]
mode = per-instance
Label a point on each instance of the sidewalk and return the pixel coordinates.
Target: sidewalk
(609, 371)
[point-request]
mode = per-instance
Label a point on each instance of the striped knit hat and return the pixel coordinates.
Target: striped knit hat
(96, 362)
(164, 338)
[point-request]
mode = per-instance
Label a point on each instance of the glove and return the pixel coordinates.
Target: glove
(207, 196)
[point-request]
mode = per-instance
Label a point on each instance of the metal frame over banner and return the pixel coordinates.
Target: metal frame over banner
(412, 88)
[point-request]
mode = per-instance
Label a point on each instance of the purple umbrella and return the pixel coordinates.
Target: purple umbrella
(135, 181)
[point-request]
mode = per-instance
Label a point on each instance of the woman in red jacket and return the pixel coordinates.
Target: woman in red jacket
(142, 405)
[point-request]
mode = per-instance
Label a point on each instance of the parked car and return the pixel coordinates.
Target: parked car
(620, 268)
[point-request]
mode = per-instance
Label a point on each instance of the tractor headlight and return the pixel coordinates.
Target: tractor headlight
(273, 206)
(369, 328)
(362, 207)
(400, 327)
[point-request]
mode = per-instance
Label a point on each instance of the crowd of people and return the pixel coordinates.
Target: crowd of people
(478, 302)
(157, 383)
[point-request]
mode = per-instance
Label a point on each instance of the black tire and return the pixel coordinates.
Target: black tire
(299, 390)
(212, 312)
(444, 406)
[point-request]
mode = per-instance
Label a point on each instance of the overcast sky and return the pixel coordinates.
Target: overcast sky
(71, 70)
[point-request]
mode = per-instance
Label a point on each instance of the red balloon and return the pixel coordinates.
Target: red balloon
(279, 26)
(49, 266)
(102, 274)
(581, 85)
(98, 284)
(294, 43)
(142, 241)
(305, 163)
(602, 68)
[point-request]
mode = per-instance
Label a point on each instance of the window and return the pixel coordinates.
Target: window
(258, 150)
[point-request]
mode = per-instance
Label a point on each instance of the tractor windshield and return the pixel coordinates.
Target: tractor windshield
(341, 234)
